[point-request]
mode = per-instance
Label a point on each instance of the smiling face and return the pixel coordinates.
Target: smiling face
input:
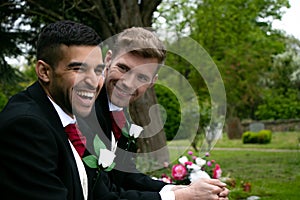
(77, 79)
(128, 77)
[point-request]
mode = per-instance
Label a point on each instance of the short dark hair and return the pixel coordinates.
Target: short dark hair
(141, 42)
(67, 33)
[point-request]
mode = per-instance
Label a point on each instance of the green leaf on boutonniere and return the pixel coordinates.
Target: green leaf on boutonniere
(91, 161)
(98, 144)
(110, 167)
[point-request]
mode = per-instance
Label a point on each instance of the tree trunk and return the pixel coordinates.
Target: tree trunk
(145, 112)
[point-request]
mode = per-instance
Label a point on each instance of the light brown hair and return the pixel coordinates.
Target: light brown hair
(141, 42)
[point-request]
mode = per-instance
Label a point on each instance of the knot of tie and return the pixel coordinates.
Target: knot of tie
(76, 138)
(118, 122)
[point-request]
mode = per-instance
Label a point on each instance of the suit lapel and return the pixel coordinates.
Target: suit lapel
(37, 93)
(103, 118)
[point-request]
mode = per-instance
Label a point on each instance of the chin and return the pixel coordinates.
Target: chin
(83, 113)
(121, 103)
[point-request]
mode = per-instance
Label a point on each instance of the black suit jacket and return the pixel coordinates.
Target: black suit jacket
(129, 184)
(36, 159)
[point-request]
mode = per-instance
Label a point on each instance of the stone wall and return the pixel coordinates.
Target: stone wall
(275, 126)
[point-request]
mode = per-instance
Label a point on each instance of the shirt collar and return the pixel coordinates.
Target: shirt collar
(64, 118)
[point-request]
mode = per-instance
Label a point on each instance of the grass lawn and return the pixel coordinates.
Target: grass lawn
(272, 174)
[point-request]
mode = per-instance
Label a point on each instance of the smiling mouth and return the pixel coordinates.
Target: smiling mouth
(86, 95)
(123, 92)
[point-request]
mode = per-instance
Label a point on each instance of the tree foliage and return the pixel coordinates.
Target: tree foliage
(281, 97)
(279, 104)
(22, 19)
(239, 37)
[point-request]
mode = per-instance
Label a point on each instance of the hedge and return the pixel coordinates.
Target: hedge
(261, 137)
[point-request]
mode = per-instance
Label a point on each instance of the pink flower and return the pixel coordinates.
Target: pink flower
(217, 172)
(188, 163)
(207, 154)
(190, 152)
(194, 157)
(179, 172)
(209, 163)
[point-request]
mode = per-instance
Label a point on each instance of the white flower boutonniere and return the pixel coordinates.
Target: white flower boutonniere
(106, 157)
(133, 133)
(135, 130)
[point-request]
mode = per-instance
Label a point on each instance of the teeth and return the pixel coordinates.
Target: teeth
(86, 94)
(124, 92)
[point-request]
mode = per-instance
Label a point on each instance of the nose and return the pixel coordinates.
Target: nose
(93, 79)
(129, 80)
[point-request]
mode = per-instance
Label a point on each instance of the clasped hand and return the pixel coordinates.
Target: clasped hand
(202, 189)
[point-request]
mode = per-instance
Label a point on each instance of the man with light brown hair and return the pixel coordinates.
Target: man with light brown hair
(131, 68)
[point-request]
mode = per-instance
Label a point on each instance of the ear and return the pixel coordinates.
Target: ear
(108, 58)
(107, 61)
(153, 80)
(42, 70)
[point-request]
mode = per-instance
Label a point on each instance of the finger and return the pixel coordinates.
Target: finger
(224, 193)
(211, 195)
(216, 182)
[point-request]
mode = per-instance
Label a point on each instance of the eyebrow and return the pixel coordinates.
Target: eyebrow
(74, 64)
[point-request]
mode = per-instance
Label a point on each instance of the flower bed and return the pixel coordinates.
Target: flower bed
(190, 168)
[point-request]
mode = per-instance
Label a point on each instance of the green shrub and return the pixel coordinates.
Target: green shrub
(261, 137)
(264, 136)
(279, 104)
(168, 100)
(246, 137)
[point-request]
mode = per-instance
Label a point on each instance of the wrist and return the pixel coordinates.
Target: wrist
(181, 194)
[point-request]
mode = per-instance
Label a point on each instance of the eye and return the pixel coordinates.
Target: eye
(143, 78)
(77, 66)
(123, 68)
(99, 70)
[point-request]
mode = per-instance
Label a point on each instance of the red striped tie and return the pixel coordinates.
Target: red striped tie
(76, 137)
(118, 122)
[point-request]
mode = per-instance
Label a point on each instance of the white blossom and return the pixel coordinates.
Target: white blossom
(194, 167)
(135, 130)
(200, 162)
(106, 157)
(183, 160)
